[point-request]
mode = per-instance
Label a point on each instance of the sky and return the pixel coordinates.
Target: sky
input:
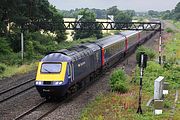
(137, 5)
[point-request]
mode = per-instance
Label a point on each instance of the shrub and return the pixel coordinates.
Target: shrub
(169, 30)
(118, 81)
(150, 53)
(2, 68)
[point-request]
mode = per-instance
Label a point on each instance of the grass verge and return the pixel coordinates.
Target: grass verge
(14, 70)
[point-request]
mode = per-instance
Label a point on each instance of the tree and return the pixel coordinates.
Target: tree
(112, 10)
(88, 16)
(153, 13)
(122, 17)
(177, 12)
(131, 13)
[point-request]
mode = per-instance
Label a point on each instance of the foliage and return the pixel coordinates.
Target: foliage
(14, 69)
(113, 10)
(88, 16)
(6, 53)
(108, 106)
(173, 14)
(153, 13)
(169, 30)
(100, 14)
(150, 53)
(15, 16)
(120, 16)
(2, 68)
(4, 47)
(22, 12)
(39, 44)
(118, 81)
(177, 12)
(172, 50)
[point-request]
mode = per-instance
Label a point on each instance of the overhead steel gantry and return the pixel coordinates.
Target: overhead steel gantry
(84, 26)
(147, 26)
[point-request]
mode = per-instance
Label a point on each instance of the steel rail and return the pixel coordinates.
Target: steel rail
(14, 87)
(7, 98)
(30, 110)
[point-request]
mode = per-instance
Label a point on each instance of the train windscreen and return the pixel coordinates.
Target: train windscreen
(51, 68)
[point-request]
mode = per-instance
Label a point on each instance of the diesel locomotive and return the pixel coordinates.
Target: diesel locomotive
(64, 71)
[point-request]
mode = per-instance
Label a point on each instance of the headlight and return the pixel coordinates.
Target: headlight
(58, 83)
(39, 82)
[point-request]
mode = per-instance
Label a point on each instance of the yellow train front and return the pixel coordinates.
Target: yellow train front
(52, 75)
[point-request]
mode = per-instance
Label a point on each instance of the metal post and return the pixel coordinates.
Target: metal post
(22, 45)
(140, 88)
(160, 45)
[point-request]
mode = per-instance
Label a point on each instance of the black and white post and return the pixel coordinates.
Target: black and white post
(142, 64)
(160, 47)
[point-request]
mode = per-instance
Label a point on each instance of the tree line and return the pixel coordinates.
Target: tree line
(120, 15)
(168, 14)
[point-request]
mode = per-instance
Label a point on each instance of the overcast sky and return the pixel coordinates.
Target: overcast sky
(137, 5)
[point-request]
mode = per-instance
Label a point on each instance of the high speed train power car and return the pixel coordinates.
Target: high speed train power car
(67, 70)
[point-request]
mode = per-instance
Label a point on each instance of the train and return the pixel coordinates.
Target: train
(65, 71)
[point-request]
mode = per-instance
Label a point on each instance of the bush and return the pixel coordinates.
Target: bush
(169, 30)
(150, 53)
(118, 81)
(2, 68)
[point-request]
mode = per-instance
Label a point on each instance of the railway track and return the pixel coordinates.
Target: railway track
(16, 90)
(30, 110)
(46, 107)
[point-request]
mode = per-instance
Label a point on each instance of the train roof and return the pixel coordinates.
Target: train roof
(129, 33)
(103, 42)
(79, 51)
(56, 57)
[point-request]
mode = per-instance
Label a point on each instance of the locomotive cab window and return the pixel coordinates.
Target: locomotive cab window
(51, 68)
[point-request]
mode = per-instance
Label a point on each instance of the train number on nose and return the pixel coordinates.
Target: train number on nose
(46, 90)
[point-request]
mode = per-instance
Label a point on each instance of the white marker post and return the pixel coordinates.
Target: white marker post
(22, 45)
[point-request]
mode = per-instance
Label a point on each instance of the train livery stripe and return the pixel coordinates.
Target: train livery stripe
(51, 77)
(102, 55)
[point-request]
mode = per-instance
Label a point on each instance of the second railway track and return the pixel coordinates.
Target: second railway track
(16, 90)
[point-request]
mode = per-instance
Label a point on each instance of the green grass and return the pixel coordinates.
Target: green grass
(172, 48)
(177, 24)
(177, 110)
(13, 70)
(115, 106)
